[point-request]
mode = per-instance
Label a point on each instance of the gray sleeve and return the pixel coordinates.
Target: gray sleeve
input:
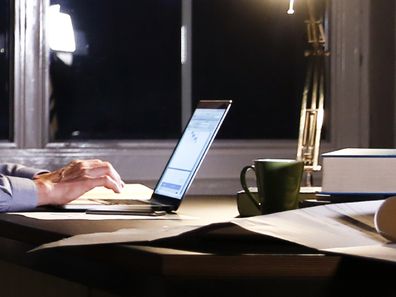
(19, 170)
(18, 192)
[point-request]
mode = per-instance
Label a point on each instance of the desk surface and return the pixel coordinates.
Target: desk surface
(248, 260)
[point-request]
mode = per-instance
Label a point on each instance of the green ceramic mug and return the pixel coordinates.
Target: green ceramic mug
(278, 184)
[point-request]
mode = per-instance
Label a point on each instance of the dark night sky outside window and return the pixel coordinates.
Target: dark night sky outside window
(125, 78)
(124, 82)
(252, 52)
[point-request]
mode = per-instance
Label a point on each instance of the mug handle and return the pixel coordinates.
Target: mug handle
(246, 188)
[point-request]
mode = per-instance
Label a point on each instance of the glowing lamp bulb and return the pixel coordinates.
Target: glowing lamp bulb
(291, 9)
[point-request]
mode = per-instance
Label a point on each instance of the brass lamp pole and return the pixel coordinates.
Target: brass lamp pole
(312, 111)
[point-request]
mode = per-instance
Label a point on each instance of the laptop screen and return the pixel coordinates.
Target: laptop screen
(190, 151)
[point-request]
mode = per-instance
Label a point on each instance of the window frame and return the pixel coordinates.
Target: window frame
(143, 161)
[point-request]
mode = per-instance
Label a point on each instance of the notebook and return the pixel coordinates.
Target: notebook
(180, 169)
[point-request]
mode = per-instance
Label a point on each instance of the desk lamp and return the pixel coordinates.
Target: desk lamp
(312, 112)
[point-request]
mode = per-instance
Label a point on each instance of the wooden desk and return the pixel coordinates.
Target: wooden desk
(220, 265)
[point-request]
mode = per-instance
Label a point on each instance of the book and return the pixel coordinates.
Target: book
(359, 171)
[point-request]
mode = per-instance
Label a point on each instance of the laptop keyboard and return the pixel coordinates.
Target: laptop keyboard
(121, 201)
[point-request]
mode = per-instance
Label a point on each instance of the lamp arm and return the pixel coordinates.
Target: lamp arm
(312, 105)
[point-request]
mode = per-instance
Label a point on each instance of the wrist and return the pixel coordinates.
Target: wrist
(43, 191)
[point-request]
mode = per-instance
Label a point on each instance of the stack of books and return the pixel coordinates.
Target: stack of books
(359, 171)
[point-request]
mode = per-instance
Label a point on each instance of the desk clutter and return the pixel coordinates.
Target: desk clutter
(357, 185)
(365, 228)
(355, 228)
(348, 175)
(351, 223)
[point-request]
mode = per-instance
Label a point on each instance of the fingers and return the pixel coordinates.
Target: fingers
(105, 169)
(103, 181)
(102, 171)
(84, 184)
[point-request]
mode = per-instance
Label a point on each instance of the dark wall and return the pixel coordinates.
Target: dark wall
(382, 73)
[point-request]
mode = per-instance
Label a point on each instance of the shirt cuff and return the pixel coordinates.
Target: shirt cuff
(24, 194)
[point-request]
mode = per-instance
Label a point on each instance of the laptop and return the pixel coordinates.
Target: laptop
(180, 169)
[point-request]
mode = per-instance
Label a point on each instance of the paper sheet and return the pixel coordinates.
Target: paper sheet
(130, 191)
(102, 195)
(379, 251)
(119, 236)
(321, 227)
(346, 228)
(95, 217)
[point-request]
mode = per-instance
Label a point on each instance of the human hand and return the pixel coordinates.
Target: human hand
(76, 178)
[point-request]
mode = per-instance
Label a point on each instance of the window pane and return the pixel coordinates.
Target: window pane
(5, 92)
(121, 78)
(251, 51)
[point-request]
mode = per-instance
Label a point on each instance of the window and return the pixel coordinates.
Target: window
(119, 75)
(43, 137)
(122, 78)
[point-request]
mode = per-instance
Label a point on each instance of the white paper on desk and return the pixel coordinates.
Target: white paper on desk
(51, 216)
(129, 192)
(119, 236)
(97, 196)
(379, 251)
(341, 228)
(321, 227)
